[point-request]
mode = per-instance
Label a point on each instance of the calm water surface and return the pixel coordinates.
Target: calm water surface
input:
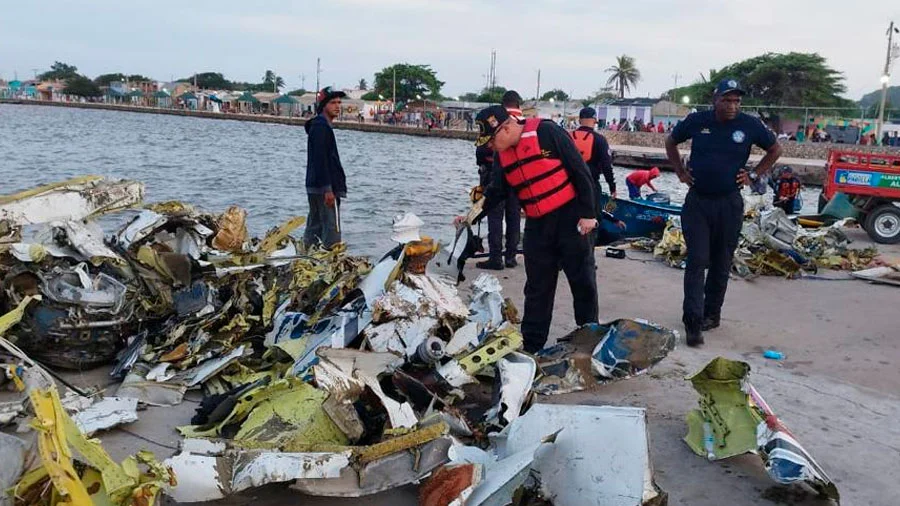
(213, 164)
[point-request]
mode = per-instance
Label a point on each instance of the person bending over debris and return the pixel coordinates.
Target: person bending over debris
(714, 208)
(326, 183)
(539, 161)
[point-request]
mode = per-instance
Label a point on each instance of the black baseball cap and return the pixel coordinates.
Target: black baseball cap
(326, 95)
(587, 113)
(729, 86)
(489, 120)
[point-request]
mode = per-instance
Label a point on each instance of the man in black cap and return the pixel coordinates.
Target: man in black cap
(538, 161)
(594, 149)
(714, 208)
(326, 183)
(509, 209)
(596, 154)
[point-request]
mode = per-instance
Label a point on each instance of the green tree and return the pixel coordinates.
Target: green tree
(605, 93)
(557, 94)
(412, 80)
(81, 86)
(136, 78)
(298, 92)
(210, 80)
(105, 79)
(491, 95)
(59, 70)
(792, 79)
(363, 85)
(624, 74)
(469, 97)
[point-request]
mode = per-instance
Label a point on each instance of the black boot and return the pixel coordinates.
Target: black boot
(511, 263)
(493, 264)
(694, 337)
(709, 323)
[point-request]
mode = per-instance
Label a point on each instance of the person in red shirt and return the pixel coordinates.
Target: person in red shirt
(639, 178)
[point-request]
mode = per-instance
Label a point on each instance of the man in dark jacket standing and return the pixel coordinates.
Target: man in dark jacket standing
(326, 183)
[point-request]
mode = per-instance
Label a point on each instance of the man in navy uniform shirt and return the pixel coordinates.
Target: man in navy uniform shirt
(713, 210)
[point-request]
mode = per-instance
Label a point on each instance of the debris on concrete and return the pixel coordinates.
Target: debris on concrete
(889, 274)
(772, 244)
(76, 470)
(737, 420)
(629, 347)
(106, 413)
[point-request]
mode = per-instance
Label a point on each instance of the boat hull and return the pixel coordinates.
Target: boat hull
(642, 218)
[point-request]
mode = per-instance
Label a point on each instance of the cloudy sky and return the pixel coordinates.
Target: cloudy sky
(571, 41)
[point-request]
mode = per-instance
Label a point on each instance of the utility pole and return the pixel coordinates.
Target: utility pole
(394, 93)
(318, 75)
(303, 82)
(676, 76)
(885, 77)
(492, 75)
(318, 72)
(537, 94)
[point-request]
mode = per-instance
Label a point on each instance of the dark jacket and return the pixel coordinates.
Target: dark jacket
(324, 172)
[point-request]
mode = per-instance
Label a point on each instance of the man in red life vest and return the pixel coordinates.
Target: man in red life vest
(539, 162)
(787, 187)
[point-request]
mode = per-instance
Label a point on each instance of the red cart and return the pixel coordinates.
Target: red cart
(871, 181)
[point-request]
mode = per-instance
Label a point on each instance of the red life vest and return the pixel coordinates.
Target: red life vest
(540, 181)
(584, 143)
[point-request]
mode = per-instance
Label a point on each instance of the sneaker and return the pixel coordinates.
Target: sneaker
(709, 323)
(493, 265)
(511, 263)
(694, 337)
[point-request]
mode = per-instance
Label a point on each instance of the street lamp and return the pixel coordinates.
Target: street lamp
(685, 100)
(885, 79)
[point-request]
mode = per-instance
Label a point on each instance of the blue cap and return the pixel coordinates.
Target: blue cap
(729, 86)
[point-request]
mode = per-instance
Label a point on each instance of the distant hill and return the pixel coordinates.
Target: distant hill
(893, 96)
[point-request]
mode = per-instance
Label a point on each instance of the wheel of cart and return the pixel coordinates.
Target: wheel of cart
(883, 224)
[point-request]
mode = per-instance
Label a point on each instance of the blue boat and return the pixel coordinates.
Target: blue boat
(643, 217)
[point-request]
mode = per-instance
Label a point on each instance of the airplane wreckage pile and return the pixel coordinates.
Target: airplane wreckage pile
(772, 244)
(318, 368)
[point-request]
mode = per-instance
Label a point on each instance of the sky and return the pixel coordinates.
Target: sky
(572, 42)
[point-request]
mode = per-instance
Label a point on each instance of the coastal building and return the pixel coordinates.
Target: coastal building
(668, 112)
(626, 109)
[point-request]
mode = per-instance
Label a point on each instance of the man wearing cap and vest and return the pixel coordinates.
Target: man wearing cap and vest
(595, 152)
(594, 149)
(713, 210)
(326, 183)
(539, 162)
(507, 211)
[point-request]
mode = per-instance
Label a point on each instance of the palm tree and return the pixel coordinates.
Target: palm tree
(624, 74)
(273, 81)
